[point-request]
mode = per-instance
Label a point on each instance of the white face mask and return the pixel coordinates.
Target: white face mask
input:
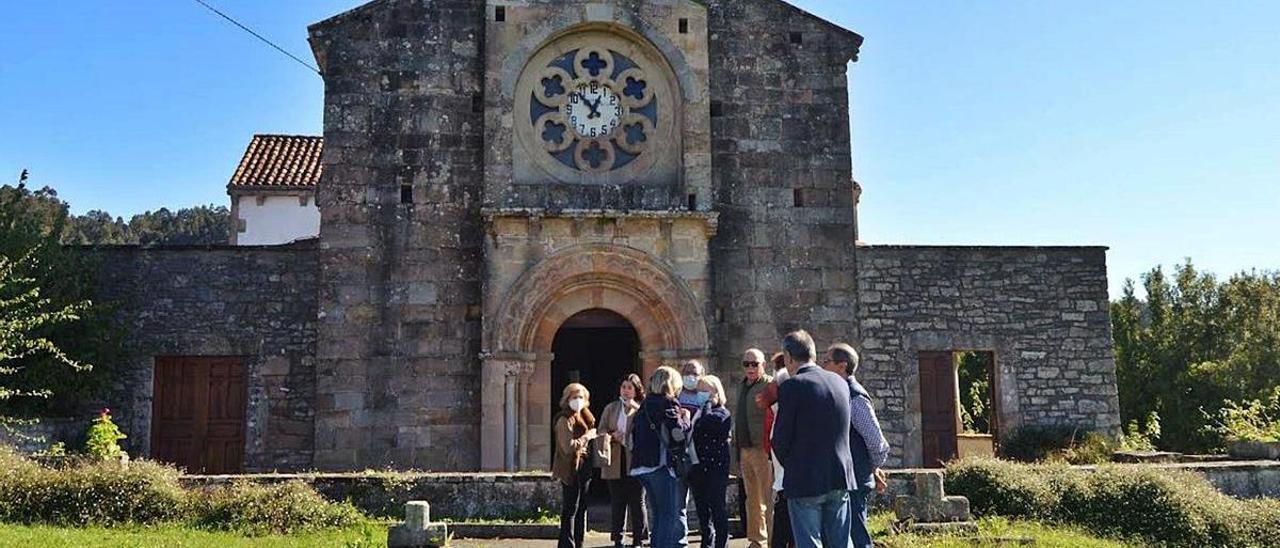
(690, 382)
(577, 404)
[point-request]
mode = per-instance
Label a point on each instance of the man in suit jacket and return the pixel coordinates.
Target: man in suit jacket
(811, 441)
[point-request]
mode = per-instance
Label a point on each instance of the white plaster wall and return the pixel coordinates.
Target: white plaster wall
(279, 220)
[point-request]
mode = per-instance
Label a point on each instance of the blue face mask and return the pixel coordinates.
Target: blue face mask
(702, 398)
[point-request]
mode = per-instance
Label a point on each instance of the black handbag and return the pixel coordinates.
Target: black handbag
(681, 461)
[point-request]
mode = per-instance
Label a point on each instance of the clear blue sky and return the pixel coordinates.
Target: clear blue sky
(1152, 127)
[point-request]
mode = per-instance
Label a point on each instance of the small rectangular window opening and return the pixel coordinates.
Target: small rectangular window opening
(693, 202)
(684, 26)
(717, 109)
(797, 38)
(406, 194)
(797, 196)
(500, 14)
(477, 103)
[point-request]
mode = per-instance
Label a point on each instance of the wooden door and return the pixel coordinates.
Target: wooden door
(198, 413)
(938, 408)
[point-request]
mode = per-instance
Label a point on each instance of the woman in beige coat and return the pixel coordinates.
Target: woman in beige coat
(574, 429)
(625, 492)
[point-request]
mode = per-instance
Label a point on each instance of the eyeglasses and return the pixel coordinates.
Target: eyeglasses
(751, 364)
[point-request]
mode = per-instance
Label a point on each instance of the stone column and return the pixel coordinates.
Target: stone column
(513, 428)
(497, 408)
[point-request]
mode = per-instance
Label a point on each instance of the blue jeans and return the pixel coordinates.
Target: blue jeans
(821, 521)
(858, 513)
(665, 495)
(709, 490)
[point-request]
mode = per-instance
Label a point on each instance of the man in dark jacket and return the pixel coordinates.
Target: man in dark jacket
(866, 441)
(811, 441)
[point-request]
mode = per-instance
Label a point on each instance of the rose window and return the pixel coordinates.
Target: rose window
(593, 110)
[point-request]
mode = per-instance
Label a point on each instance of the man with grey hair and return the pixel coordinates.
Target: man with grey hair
(753, 460)
(811, 441)
(867, 444)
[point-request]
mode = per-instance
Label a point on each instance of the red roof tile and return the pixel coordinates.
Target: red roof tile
(279, 161)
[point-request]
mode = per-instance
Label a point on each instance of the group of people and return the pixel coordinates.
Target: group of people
(808, 443)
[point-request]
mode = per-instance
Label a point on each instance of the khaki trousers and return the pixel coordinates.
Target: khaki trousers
(757, 481)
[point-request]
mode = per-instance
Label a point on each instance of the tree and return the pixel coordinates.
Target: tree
(26, 316)
(1192, 345)
(31, 226)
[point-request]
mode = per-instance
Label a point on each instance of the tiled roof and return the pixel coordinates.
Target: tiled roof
(279, 161)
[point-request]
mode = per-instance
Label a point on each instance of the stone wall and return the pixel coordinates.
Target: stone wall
(254, 302)
(398, 359)
(1043, 311)
(782, 174)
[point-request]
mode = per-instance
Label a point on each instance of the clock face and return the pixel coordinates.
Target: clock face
(594, 110)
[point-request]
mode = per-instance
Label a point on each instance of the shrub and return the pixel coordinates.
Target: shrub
(1252, 420)
(92, 492)
(283, 508)
(101, 493)
(1058, 444)
(103, 439)
(1153, 505)
(1002, 488)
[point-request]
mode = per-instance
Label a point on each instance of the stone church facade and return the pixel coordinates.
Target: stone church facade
(516, 194)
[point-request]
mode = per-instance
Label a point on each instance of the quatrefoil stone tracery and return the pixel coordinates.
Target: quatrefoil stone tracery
(555, 86)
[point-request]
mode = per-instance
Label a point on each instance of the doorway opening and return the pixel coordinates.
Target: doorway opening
(597, 348)
(958, 405)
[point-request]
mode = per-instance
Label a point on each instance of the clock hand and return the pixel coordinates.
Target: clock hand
(595, 108)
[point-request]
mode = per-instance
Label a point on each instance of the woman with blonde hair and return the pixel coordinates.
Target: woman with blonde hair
(658, 441)
(709, 479)
(625, 492)
(575, 427)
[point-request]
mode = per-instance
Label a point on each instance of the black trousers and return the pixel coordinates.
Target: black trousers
(573, 512)
(709, 490)
(627, 496)
(781, 536)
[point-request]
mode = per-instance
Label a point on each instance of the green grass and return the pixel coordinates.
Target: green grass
(369, 535)
(991, 531)
(373, 534)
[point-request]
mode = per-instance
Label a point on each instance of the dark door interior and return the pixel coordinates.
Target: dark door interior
(198, 413)
(938, 408)
(596, 348)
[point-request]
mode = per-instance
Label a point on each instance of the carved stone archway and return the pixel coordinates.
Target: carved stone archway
(516, 391)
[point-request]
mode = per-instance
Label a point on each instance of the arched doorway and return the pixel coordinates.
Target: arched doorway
(529, 341)
(597, 348)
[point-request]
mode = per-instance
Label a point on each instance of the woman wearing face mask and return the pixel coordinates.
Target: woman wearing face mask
(575, 427)
(625, 493)
(710, 477)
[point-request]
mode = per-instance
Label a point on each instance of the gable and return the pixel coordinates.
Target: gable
(851, 42)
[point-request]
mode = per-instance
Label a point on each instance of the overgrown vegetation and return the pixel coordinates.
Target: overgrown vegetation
(283, 508)
(104, 493)
(1147, 505)
(1066, 444)
(1252, 420)
(973, 371)
(1194, 346)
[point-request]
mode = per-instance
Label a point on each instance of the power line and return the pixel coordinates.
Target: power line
(259, 37)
